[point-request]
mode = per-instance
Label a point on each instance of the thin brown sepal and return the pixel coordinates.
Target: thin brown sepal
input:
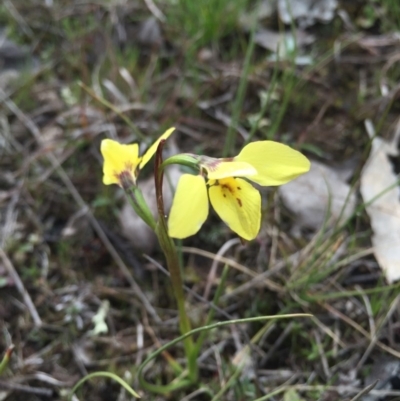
(158, 178)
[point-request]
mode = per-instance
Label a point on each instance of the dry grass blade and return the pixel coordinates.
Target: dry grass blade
(374, 334)
(268, 283)
(21, 288)
(44, 392)
(365, 391)
(356, 326)
(213, 270)
(155, 10)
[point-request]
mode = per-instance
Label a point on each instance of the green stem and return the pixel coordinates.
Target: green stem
(232, 380)
(112, 376)
(139, 205)
(185, 159)
(171, 255)
(6, 358)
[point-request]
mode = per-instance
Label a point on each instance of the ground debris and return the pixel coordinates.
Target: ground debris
(380, 192)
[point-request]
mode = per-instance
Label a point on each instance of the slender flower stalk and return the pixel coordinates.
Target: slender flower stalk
(171, 255)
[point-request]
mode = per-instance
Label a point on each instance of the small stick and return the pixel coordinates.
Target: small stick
(20, 286)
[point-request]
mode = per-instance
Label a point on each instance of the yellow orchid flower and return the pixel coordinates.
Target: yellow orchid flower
(225, 183)
(122, 163)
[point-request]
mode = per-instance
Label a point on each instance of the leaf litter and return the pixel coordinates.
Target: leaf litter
(381, 196)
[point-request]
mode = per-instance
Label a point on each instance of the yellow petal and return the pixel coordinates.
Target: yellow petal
(217, 169)
(152, 149)
(118, 158)
(189, 208)
(238, 204)
(276, 164)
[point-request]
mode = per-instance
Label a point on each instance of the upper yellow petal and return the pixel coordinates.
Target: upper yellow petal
(189, 208)
(218, 169)
(238, 204)
(276, 164)
(118, 159)
(152, 149)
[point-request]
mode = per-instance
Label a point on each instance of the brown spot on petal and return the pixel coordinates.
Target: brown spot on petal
(228, 187)
(239, 202)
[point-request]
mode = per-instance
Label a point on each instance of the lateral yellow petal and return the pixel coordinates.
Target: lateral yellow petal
(218, 169)
(276, 163)
(189, 208)
(118, 158)
(238, 204)
(152, 149)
